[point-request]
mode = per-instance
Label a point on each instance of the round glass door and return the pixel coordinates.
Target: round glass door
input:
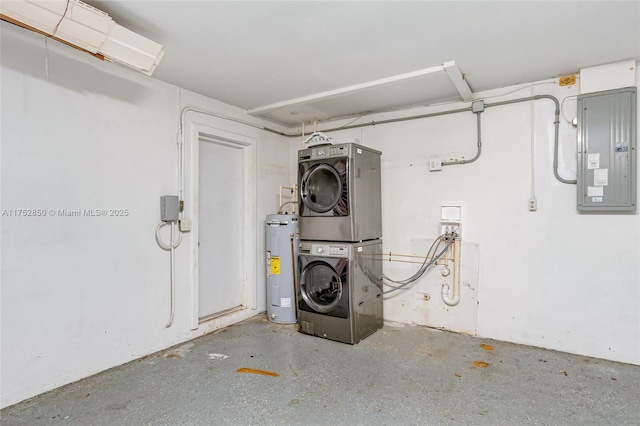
(321, 188)
(321, 286)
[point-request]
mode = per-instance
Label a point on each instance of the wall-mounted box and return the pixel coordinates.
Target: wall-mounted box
(169, 208)
(607, 150)
(451, 217)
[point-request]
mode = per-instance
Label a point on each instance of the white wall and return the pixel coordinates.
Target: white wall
(83, 294)
(553, 278)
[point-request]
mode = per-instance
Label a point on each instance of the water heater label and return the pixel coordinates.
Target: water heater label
(275, 265)
(285, 302)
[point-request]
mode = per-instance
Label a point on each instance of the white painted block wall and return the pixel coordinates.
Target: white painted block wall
(553, 278)
(82, 294)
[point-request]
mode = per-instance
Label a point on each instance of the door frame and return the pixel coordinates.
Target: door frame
(195, 132)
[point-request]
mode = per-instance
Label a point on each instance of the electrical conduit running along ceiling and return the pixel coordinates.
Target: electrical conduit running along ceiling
(427, 86)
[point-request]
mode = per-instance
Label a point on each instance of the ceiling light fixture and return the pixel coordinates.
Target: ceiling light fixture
(82, 26)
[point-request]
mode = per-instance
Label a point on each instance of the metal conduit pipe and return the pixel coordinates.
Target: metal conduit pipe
(512, 101)
(451, 163)
(397, 120)
(556, 131)
(391, 120)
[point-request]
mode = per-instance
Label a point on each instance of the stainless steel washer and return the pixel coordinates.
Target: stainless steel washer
(340, 289)
(339, 193)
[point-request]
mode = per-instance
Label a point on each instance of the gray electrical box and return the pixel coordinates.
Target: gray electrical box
(607, 150)
(169, 208)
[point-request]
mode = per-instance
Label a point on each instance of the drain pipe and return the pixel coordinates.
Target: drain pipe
(455, 299)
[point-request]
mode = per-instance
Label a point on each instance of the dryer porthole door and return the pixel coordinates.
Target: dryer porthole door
(320, 286)
(321, 188)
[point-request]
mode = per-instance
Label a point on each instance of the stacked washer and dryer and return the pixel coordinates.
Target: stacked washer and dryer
(339, 256)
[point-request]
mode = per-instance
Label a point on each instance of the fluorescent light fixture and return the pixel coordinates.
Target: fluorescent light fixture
(87, 28)
(125, 46)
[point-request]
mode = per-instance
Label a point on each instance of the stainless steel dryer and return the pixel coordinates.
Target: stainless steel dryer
(340, 289)
(339, 193)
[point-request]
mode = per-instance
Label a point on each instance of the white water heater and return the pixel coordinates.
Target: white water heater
(282, 237)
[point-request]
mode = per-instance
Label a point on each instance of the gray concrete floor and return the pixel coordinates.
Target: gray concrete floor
(398, 376)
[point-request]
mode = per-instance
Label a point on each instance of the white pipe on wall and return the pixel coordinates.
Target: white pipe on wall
(171, 247)
(455, 299)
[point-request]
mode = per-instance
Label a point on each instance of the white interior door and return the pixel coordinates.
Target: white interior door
(221, 230)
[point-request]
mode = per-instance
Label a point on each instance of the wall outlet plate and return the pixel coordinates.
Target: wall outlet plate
(435, 164)
(184, 225)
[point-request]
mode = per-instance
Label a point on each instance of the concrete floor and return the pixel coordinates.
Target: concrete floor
(398, 376)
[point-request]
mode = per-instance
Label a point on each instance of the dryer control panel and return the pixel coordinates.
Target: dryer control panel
(329, 151)
(326, 250)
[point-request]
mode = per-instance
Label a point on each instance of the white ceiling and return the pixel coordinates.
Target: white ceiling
(253, 54)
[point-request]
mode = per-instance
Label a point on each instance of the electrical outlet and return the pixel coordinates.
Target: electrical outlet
(533, 204)
(435, 164)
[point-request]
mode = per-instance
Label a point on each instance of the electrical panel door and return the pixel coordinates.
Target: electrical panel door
(607, 150)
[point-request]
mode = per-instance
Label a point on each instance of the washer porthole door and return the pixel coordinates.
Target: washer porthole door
(320, 286)
(321, 188)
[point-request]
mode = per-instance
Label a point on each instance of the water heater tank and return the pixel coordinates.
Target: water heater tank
(282, 237)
